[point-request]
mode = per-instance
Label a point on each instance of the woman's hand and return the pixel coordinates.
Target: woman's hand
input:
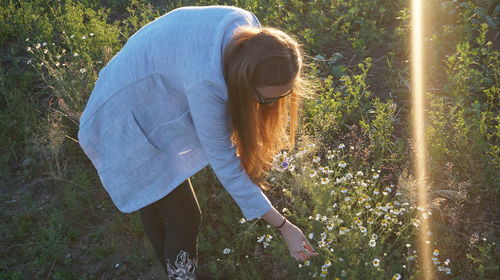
(297, 243)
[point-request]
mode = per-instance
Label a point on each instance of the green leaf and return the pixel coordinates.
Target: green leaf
(490, 22)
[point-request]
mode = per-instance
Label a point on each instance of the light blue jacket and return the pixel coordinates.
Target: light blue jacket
(158, 111)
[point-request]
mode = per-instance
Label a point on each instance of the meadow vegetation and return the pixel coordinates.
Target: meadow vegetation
(348, 185)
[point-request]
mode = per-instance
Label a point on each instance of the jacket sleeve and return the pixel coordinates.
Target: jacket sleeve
(210, 118)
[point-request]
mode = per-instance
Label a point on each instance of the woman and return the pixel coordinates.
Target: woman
(175, 98)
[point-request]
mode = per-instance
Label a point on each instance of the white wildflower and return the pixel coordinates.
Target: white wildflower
(372, 243)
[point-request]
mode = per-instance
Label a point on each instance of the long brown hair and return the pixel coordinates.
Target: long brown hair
(262, 57)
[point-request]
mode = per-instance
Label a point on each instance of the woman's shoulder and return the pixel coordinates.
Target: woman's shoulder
(217, 9)
(193, 15)
(209, 85)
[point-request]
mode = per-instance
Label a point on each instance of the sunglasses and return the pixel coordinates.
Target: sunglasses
(269, 100)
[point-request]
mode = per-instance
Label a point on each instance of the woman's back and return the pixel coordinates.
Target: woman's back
(184, 46)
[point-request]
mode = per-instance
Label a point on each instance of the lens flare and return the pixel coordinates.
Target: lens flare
(418, 99)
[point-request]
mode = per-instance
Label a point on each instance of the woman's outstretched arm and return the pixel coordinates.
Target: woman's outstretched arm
(210, 118)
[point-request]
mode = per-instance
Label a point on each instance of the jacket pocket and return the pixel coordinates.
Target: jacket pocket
(176, 135)
(118, 149)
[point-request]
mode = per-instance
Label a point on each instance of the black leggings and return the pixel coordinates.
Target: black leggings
(172, 226)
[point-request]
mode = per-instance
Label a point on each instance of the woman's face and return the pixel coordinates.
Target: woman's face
(269, 94)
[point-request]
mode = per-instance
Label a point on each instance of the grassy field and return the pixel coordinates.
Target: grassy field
(349, 184)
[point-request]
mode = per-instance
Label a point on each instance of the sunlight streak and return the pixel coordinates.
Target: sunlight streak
(417, 78)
